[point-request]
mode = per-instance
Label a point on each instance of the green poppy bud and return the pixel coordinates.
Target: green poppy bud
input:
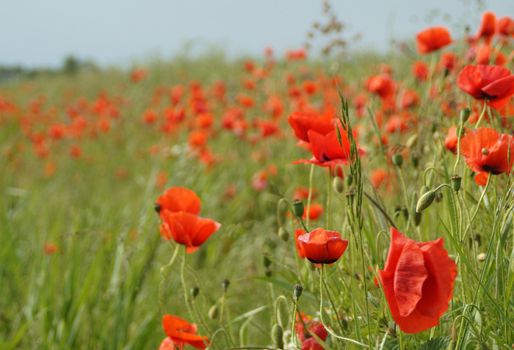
(277, 335)
(298, 208)
(425, 201)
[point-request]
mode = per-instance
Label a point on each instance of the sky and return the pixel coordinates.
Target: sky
(43, 32)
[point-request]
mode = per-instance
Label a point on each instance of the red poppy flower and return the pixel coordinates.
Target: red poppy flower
(506, 26)
(381, 85)
(309, 336)
(495, 84)
(177, 199)
(314, 212)
(327, 150)
(432, 39)
(418, 281)
(321, 246)
(487, 27)
(182, 332)
(485, 150)
(302, 122)
(451, 140)
(420, 70)
(187, 229)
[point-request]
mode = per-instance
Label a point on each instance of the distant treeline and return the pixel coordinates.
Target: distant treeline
(70, 66)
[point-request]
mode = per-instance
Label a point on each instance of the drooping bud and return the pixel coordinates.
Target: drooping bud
(397, 159)
(194, 291)
(213, 312)
(266, 261)
(283, 234)
(426, 199)
(298, 208)
(277, 335)
(349, 180)
(337, 184)
(456, 182)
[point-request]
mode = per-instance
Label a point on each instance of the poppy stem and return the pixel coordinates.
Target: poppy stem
(330, 331)
(163, 271)
(481, 116)
(309, 198)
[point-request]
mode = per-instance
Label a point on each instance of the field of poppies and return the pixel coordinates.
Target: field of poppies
(264, 203)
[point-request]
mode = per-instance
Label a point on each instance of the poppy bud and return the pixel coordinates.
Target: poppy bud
(415, 159)
(349, 179)
(416, 216)
(266, 261)
(337, 184)
(213, 312)
(456, 182)
(298, 289)
(424, 189)
(277, 335)
(425, 201)
(464, 115)
(194, 291)
(157, 208)
(225, 285)
(298, 208)
(283, 234)
(397, 159)
(438, 197)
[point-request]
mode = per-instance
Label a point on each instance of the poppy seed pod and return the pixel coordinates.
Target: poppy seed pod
(277, 335)
(298, 208)
(338, 185)
(456, 182)
(425, 201)
(298, 289)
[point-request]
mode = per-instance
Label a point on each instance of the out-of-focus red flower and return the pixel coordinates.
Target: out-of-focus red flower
(506, 26)
(50, 248)
(451, 140)
(494, 84)
(487, 28)
(418, 281)
(321, 246)
(420, 70)
(448, 61)
(137, 75)
(176, 199)
(379, 177)
(381, 85)
(314, 212)
(485, 150)
(410, 99)
(308, 330)
(481, 179)
(182, 333)
(432, 39)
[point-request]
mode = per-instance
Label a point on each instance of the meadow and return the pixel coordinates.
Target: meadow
(326, 175)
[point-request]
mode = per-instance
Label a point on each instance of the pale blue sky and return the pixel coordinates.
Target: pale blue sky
(42, 32)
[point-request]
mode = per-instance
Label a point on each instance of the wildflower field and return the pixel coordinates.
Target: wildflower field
(264, 203)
